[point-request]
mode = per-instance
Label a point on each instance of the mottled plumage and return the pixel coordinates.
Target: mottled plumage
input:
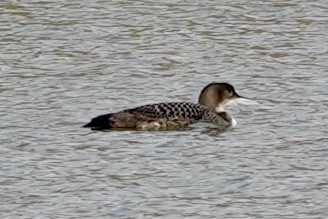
(159, 116)
(173, 115)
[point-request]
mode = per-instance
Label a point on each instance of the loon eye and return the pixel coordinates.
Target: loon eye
(229, 89)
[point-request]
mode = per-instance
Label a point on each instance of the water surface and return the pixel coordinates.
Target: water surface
(64, 62)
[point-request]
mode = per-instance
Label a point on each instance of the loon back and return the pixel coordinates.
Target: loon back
(159, 116)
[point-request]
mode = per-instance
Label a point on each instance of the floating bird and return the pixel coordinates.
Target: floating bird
(176, 115)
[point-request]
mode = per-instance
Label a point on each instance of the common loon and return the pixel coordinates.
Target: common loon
(174, 115)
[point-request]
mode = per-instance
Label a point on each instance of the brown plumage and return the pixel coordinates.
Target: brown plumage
(174, 115)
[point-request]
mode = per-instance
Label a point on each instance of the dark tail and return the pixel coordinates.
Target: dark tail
(99, 123)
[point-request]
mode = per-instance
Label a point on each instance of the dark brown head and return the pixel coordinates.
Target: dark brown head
(218, 95)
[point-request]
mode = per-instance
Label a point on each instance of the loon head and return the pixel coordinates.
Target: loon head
(218, 95)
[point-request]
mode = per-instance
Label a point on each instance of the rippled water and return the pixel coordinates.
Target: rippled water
(63, 62)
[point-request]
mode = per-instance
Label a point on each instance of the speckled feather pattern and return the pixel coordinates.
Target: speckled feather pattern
(161, 116)
(180, 111)
(174, 110)
(173, 115)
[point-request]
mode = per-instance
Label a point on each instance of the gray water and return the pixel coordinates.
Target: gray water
(64, 62)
